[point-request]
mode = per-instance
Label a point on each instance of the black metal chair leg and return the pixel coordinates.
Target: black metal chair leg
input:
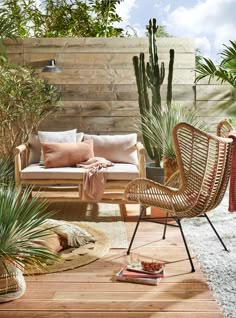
(142, 212)
(165, 226)
(185, 243)
(214, 229)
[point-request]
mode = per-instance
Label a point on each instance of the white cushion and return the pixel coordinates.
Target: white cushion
(116, 148)
(120, 171)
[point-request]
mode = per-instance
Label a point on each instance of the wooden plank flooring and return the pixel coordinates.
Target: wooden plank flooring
(91, 291)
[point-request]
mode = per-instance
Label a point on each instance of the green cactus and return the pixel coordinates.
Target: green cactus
(149, 78)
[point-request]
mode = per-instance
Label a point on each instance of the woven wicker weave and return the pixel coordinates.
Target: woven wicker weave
(12, 283)
(204, 162)
(204, 170)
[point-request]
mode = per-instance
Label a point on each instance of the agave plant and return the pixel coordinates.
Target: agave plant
(158, 129)
(20, 232)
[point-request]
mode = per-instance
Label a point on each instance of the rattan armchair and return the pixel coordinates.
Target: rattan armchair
(204, 162)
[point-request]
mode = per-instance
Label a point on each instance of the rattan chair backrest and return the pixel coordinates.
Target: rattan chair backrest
(204, 161)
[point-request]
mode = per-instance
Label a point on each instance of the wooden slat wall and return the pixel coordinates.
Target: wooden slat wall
(97, 81)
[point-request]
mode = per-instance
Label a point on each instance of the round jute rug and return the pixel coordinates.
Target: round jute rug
(76, 257)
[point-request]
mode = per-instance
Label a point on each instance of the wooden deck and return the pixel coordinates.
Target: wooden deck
(91, 292)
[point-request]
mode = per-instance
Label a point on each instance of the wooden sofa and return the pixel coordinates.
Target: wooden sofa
(66, 183)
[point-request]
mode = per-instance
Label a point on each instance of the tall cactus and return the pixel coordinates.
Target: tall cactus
(150, 77)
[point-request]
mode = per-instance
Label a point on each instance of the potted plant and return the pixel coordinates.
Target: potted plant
(157, 128)
(20, 236)
(149, 79)
(157, 119)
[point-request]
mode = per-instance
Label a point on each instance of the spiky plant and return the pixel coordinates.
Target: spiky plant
(20, 232)
(158, 128)
(6, 171)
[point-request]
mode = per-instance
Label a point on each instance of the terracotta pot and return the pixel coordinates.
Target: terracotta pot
(12, 283)
(157, 212)
(170, 167)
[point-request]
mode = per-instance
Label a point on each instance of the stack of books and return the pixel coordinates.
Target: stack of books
(142, 272)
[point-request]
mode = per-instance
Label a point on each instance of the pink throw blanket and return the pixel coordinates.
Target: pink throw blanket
(94, 180)
(232, 185)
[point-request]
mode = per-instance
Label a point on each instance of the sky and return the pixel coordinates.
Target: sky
(211, 23)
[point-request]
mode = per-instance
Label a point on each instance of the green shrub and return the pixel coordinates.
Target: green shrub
(25, 100)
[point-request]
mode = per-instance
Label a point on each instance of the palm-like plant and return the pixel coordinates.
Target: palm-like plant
(20, 232)
(225, 71)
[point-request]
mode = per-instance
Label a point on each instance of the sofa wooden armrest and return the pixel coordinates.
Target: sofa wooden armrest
(21, 157)
(141, 159)
(56, 188)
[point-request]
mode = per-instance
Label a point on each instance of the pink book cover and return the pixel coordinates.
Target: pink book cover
(137, 280)
(137, 271)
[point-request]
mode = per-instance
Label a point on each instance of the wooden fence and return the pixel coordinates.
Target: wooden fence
(97, 81)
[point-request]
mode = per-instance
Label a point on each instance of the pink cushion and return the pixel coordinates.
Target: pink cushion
(52, 242)
(116, 148)
(66, 154)
(35, 144)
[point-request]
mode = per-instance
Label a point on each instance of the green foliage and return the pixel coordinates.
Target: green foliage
(7, 30)
(6, 171)
(160, 32)
(106, 16)
(61, 18)
(225, 72)
(25, 100)
(20, 232)
(157, 128)
(149, 79)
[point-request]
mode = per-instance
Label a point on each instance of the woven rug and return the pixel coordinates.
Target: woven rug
(218, 266)
(75, 257)
(104, 221)
(102, 216)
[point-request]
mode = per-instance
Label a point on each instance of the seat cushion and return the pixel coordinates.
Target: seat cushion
(119, 171)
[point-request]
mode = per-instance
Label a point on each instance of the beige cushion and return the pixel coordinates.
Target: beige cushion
(120, 171)
(35, 145)
(34, 148)
(116, 148)
(66, 154)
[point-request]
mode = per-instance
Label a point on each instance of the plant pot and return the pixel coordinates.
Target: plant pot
(170, 167)
(154, 173)
(12, 283)
(159, 213)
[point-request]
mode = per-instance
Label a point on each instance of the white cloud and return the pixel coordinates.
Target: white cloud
(211, 22)
(124, 10)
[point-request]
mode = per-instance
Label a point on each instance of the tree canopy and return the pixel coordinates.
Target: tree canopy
(61, 18)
